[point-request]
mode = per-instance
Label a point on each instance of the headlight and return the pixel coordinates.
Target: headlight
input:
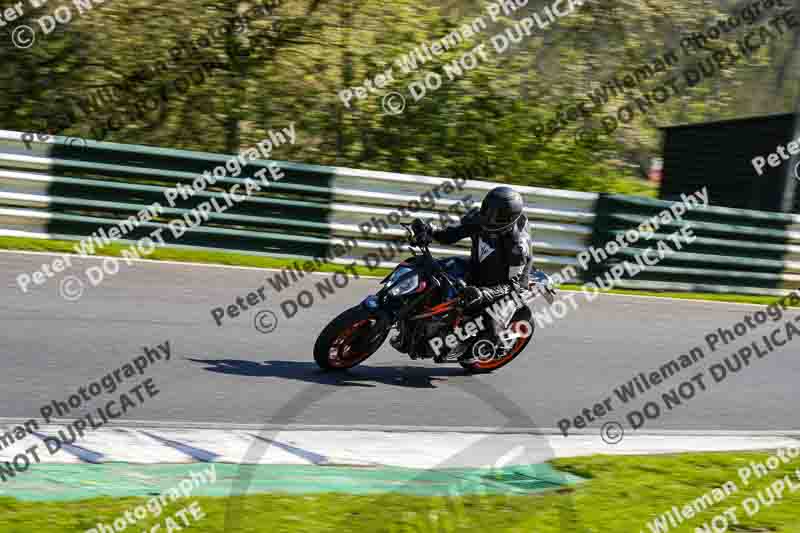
(406, 286)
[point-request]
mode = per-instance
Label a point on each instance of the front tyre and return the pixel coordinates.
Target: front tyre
(519, 323)
(349, 339)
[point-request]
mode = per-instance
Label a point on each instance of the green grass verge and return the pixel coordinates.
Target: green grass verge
(733, 298)
(622, 495)
(175, 254)
(241, 259)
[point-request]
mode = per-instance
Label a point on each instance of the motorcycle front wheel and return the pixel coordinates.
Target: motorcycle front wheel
(349, 339)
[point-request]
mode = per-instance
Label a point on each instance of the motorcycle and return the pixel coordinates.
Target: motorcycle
(421, 300)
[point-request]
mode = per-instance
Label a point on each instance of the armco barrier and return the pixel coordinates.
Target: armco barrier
(67, 190)
(736, 250)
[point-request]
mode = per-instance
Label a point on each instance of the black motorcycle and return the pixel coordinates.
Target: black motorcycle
(421, 300)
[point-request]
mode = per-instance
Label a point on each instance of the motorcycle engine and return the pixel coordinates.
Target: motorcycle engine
(428, 329)
(413, 336)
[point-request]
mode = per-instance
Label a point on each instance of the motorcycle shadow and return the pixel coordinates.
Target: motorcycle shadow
(360, 376)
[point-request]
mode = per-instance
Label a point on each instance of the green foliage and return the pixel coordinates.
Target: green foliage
(293, 71)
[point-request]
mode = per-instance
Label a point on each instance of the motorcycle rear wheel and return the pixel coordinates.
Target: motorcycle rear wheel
(480, 367)
(348, 340)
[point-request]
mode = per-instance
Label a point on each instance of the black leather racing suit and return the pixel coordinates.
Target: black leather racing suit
(499, 264)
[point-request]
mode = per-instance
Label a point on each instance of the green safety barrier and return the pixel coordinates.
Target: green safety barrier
(734, 250)
(72, 189)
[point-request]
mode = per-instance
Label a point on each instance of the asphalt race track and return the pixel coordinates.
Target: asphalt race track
(236, 374)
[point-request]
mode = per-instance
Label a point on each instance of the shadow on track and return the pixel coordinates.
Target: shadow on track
(361, 376)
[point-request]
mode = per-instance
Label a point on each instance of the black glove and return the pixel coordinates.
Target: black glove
(473, 297)
(422, 231)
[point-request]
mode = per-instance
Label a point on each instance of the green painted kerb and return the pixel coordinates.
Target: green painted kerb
(83, 481)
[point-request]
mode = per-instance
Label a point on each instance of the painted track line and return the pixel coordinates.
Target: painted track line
(376, 447)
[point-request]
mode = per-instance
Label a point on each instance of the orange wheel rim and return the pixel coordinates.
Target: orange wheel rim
(494, 363)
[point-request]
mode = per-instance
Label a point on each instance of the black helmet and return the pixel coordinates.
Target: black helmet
(500, 210)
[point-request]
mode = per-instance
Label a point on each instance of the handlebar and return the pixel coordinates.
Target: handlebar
(414, 236)
(414, 242)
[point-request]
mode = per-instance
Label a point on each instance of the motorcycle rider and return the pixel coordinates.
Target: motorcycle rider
(500, 260)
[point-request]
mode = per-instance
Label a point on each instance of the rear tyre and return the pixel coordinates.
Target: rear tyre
(520, 323)
(348, 340)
